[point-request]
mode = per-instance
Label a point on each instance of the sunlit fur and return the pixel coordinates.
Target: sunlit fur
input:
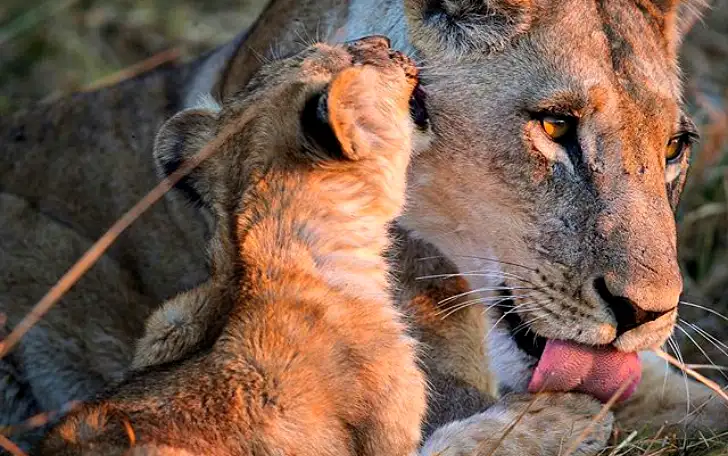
(507, 206)
(310, 355)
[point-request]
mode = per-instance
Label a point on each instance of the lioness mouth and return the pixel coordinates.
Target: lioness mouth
(600, 371)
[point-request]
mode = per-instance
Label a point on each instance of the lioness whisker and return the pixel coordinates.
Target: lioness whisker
(475, 257)
(697, 408)
(692, 339)
(720, 345)
(696, 375)
(707, 309)
(482, 299)
(710, 338)
(664, 375)
(477, 273)
(304, 39)
(480, 290)
(274, 51)
(527, 324)
(262, 59)
(472, 302)
(505, 314)
(678, 354)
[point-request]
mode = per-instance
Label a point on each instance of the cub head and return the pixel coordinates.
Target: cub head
(329, 103)
(560, 151)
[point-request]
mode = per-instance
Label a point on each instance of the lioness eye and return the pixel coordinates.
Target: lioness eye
(676, 147)
(556, 127)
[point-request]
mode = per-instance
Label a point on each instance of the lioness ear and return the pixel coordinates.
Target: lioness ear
(688, 14)
(451, 27)
(680, 15)
(180, 138)
(367, 115)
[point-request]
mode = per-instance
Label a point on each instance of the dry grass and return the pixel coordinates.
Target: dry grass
(642, 444)
(52, 47)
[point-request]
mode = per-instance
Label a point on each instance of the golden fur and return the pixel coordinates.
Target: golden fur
(488, 187)
(514, 210)
(312, 358)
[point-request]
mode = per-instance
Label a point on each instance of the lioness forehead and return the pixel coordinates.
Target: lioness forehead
(633, 41)
(614, 56)
(642, 45)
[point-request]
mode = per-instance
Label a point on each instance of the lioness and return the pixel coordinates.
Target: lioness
(560, 149)
(307, 171)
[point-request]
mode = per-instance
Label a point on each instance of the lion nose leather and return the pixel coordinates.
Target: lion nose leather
(637, 277)
(626, 312)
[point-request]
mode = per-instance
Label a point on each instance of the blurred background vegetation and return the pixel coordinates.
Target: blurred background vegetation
(53, 47)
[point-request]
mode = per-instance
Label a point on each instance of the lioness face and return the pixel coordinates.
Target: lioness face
(560, 155)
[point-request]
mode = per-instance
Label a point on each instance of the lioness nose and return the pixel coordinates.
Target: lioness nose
(627, 313)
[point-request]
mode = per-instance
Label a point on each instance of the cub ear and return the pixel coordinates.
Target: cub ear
(179, 139)
(366, 114)
(450, 27)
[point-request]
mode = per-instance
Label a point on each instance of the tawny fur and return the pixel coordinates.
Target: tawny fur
(313, 358)
(494, 198)
(464, 197)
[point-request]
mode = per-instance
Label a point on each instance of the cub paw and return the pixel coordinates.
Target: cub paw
(175, 330)
(369, 109)
(545, 424)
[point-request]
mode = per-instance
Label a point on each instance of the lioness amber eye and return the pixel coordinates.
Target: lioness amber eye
(556, 127)
(675, 148)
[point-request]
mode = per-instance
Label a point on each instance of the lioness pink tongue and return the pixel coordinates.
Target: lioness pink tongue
(598, 371)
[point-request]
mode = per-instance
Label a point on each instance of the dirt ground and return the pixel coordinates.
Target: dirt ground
(52, 47)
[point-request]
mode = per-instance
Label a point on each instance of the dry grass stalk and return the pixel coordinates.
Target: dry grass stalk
(696, 375)
(508, 429)
(167, 56)
(95, 252)
(39, 420)
(10, 447)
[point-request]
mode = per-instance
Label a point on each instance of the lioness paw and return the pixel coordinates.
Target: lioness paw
(662, 402)
(546, 424)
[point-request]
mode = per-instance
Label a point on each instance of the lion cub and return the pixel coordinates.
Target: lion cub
(309, 356)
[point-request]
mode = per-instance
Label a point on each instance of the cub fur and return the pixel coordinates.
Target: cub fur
(307, 172)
